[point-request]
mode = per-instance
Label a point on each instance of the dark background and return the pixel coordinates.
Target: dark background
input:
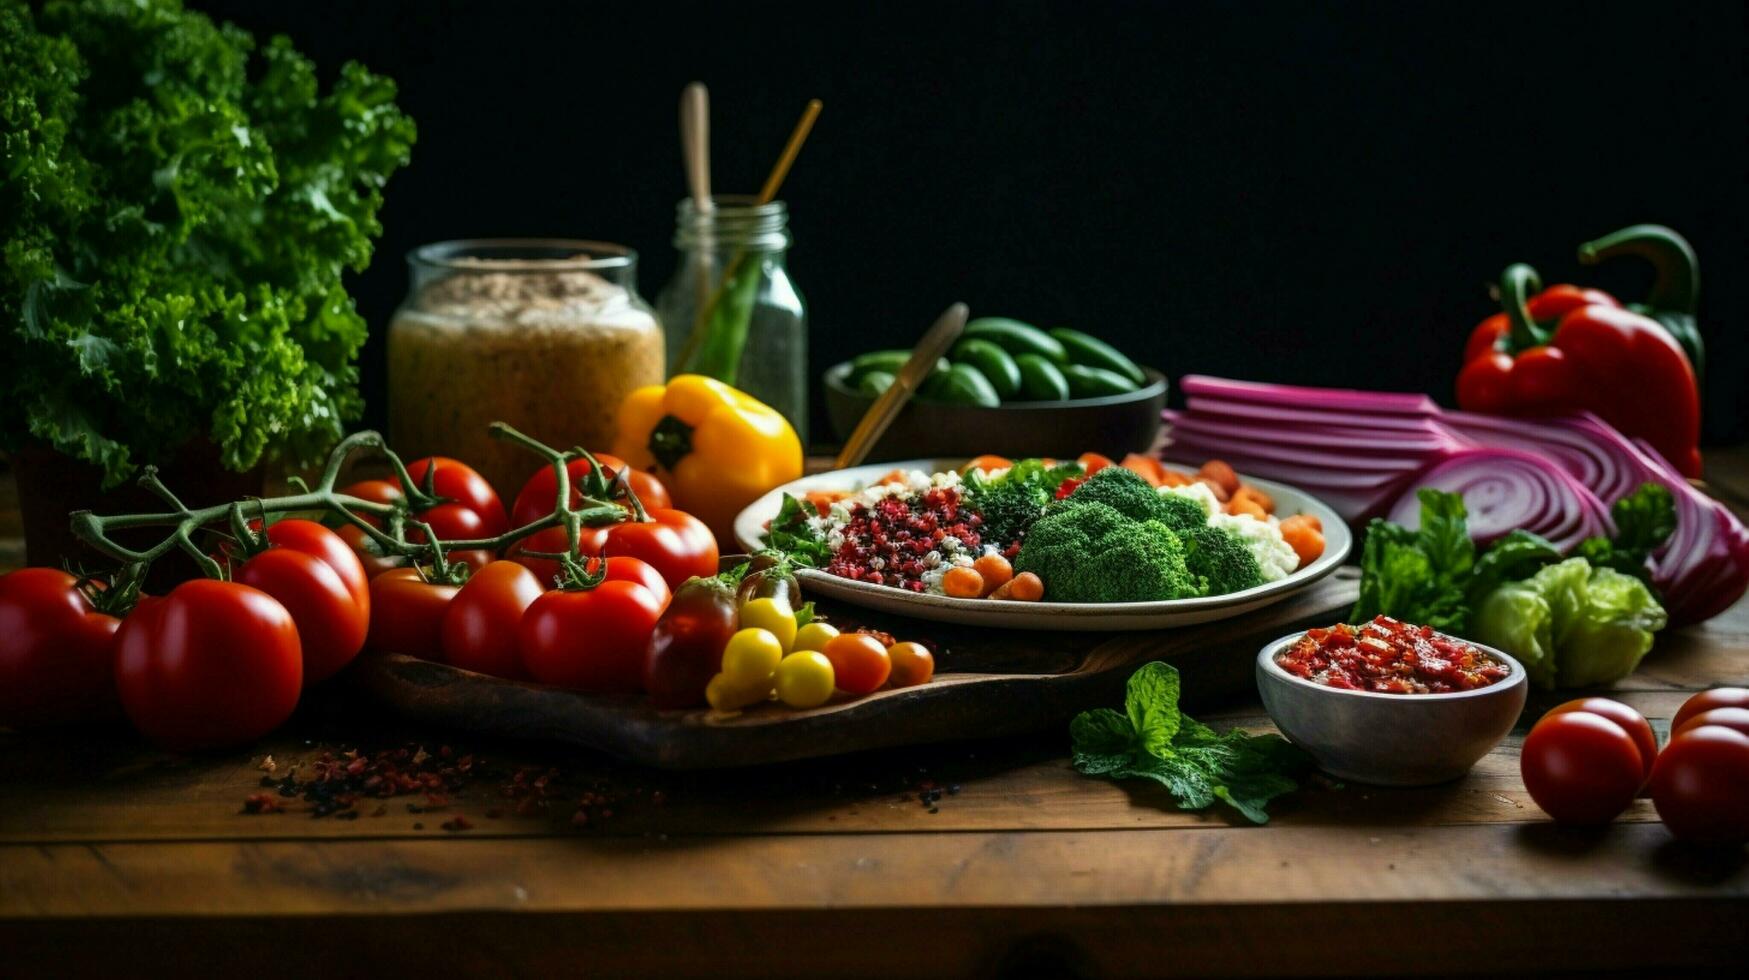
(1277, 191)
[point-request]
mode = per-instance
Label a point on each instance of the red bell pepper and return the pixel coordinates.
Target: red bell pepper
(1566, 349)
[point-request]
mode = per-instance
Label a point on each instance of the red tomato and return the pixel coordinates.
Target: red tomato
(541, 491)
(57, 652)
(458, 482)
(407, 613)
(1734, 718)
(1581, 768)
(1631, 721)
(318, 542)
(331, 626)
(211, 664)
(590, 639)
(673, 542)
(1701, 785)
(686, 648)
(1718, 697)
(369, 554)
(479, 629)
(859, 662)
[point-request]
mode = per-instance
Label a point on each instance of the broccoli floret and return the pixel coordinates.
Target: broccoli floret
(1131, 496)
(1087, 551)
(1180, 513)
(1221, 559)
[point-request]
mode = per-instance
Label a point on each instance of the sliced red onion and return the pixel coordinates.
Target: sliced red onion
(1291, 396)
(1505, 489)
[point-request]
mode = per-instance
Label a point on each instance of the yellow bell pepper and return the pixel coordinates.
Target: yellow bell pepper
(715, 448)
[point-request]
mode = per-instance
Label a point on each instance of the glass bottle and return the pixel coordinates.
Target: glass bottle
(731, 293)
(548, 335)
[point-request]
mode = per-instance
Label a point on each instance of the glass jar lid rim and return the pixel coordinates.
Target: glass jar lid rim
(523, 255)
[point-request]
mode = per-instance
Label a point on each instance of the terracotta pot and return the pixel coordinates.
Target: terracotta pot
(52, 485)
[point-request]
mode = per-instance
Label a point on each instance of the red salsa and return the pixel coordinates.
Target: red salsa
(1386, 656)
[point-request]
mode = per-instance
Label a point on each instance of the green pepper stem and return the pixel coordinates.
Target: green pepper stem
(1676, 283)
(1517, 284)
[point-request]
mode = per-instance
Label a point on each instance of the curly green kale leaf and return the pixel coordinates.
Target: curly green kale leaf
(175, 219)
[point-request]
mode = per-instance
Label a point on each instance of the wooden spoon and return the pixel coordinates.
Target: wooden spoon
(886, 408)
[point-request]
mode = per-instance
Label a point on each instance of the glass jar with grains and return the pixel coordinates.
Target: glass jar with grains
(548, 335)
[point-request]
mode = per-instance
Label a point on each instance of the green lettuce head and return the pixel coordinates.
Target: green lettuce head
(1571, 624)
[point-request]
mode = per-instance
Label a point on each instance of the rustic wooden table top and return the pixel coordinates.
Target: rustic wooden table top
(971, 858)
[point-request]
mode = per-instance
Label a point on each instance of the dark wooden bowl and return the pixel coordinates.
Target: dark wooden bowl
(1113, 425)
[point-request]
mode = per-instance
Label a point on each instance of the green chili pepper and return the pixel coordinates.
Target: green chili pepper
(1040, 379)
(1093, 352)
(995, 364)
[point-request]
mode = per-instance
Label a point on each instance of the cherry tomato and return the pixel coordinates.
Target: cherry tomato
(407, 613)
(591, 640)
(318, 542)
(1631, 721)
(331, 625)
(750, 658)
(814, 636)
(913, 664)
(686, 649)
(1736, 718)
(57, 652)
(211, 664)
(859, 662)
(725, 696)
(805, 679)
(675, 543)
(459, 483)
(1718, 697)
(1581, 768)
(369, 554)
(479, 627)
(541, 491)
(774, 615)
(1701, 785)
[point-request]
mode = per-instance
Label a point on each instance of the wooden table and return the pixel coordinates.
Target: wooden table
(117, 857)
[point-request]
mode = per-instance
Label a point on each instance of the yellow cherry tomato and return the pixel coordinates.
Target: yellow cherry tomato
(724, 695)
(804, 680)
(814, 636)
(774, 615)
(750, 657)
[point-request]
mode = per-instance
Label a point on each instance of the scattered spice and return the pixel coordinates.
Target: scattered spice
(457, 823)
(262, 803)
(336, 783)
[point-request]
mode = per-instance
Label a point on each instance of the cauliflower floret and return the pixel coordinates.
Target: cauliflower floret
(1275, 557)
(1198, 492)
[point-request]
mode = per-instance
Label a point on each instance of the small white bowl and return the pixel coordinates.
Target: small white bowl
(1391, 739)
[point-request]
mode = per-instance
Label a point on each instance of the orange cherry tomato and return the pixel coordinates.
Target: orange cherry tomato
(913, 664)
(859, 662)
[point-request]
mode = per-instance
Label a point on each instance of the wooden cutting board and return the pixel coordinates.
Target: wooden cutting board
(987, 683)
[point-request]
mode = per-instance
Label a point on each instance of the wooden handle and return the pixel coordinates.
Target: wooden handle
(695, 143)
(880, 415)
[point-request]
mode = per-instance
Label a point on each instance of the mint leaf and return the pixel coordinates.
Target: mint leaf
(1196, 764)
(1151, 701)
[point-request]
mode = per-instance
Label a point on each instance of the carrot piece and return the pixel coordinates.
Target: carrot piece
(1305, 535)
(1310, 519)
(987, 462)
(1245, 505)
(1220, 492)
(1025, 587)
(1222, 474)
(1248, 492)
(896, 476)
(996, 571)
(1146, 467)
(1094, 462)
(963, 582)
(1173, 478)
(824, 499)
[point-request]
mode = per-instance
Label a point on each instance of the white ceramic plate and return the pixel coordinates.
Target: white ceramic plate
(750, 530)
